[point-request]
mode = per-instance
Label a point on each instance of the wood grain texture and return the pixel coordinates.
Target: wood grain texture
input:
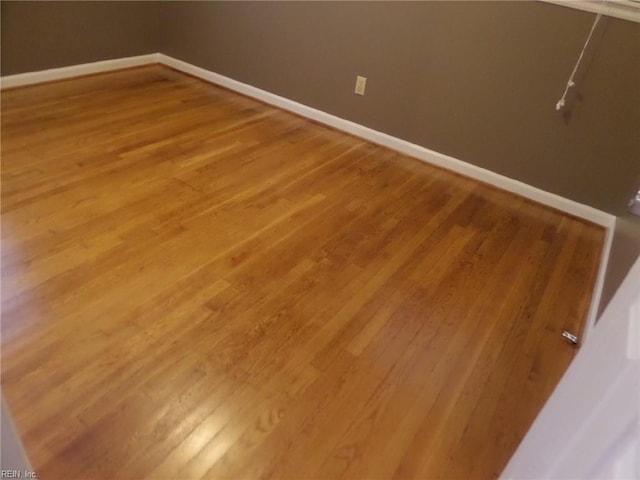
(198, 285)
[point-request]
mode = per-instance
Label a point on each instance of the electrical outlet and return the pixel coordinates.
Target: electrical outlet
(361, 83)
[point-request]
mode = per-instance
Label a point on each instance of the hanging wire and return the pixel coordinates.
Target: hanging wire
(571, 83)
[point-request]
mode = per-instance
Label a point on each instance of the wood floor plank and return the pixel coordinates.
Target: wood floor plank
(199, 285)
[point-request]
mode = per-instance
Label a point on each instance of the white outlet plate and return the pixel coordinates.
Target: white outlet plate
(361, 84)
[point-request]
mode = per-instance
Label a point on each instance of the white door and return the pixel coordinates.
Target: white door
(590, 427)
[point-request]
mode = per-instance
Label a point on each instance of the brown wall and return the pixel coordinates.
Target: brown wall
(475, 80)
(625, 249)
(42, 35)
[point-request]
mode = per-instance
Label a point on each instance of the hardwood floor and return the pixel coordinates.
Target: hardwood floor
(198, 285)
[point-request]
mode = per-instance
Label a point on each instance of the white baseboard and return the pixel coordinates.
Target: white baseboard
(596, 298)
(42, 76)
(435, 158)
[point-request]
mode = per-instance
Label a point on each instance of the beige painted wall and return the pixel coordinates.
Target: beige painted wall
(42, 35)
(475, 80)
(624, 251)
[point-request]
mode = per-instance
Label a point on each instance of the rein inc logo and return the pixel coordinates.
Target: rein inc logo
(18, 474)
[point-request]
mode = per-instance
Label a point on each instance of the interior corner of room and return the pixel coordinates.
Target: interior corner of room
(534, 98)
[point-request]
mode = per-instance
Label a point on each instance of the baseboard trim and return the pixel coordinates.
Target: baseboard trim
(435, 158)
(429, 156)
(538, 195)
(31, 78)
(596, 298)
